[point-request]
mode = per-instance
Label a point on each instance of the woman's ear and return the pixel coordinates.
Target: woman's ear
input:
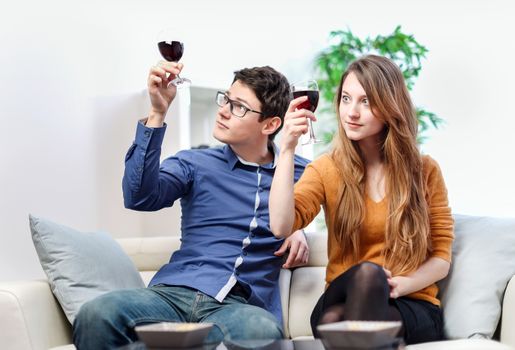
(271, 125)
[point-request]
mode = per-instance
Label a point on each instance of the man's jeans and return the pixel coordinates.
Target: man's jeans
(108, 321)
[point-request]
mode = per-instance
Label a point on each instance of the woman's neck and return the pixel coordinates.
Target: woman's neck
(371, 152)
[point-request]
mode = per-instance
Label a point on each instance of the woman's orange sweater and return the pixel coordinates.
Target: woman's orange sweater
(319, 186)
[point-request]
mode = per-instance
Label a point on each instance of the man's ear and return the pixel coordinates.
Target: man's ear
(271, 125)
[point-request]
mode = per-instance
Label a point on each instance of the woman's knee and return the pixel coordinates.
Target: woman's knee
(369, 275)
(369, 271)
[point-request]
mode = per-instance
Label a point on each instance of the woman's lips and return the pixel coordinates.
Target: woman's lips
(353, 125)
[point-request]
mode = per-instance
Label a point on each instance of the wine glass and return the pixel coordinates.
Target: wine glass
(307, 88)
(172, 51)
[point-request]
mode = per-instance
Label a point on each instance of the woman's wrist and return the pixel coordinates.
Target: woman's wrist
(286, 150)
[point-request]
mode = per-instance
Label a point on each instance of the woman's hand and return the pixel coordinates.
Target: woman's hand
(398, 284)
(431, 271)
(298, 250)
(295, 123)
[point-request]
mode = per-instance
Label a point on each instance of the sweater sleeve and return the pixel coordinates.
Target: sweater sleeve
(309, 195)
(440, 217)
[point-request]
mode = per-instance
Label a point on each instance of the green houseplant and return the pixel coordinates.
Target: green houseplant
(402, 48)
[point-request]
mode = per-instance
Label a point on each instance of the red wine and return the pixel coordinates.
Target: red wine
(171, 50)
(312, 101)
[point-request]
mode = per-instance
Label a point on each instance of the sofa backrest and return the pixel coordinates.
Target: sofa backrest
(150, 253)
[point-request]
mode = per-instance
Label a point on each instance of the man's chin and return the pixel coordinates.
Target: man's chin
(219, 137)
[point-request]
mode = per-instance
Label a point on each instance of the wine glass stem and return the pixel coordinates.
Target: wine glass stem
(311, 132)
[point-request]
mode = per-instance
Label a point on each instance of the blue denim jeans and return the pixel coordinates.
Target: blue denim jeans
(108, 321)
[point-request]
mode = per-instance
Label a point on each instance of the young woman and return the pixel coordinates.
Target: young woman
(390, 228)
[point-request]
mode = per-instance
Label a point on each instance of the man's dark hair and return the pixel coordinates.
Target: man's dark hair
(271, 88)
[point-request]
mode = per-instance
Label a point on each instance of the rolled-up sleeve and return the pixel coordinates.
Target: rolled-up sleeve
(309, 196)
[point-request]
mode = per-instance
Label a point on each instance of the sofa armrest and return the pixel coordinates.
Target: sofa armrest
(284, 287)
(508, 315)
(31, 318)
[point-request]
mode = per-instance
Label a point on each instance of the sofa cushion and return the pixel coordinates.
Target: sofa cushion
(461, 344)
(150, 253)
(81, 266)
(483, 263)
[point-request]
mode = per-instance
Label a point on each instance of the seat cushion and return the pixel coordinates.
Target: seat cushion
(81, 266)
(461, 344)
(65, 347)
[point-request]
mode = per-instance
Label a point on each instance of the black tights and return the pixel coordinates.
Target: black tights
(360, 293)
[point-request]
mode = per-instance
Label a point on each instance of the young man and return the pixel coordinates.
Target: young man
(227, 269)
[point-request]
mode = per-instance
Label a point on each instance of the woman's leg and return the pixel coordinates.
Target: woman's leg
(361, 293)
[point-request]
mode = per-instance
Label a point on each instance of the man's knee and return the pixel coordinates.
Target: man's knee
(261, 325)
(105, 312)
(245, 322)
(103, 308)
(101, 322)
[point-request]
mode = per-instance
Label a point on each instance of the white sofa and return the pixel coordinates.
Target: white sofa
(31, 318)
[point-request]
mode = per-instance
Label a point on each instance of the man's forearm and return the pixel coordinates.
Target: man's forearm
(141, 175)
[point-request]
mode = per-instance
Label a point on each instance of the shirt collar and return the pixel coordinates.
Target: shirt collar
(233, 158)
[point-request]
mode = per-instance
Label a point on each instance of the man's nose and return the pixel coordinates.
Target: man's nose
(225, 111)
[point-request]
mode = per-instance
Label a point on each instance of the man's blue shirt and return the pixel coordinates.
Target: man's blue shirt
(225, 231)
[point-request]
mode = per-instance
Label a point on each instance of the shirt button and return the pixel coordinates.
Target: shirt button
(147, 133)
(237, 273)
(260, 189)
(252, 235)
(244, 253)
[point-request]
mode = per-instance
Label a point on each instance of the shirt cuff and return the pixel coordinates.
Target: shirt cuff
(149, 138)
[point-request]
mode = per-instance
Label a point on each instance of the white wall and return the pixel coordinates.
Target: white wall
(72, 79)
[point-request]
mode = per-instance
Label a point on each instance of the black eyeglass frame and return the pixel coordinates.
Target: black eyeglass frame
(231, 105)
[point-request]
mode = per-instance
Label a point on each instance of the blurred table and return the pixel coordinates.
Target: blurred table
(285, 344)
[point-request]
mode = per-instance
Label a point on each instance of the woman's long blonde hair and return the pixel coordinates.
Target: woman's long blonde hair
(407, 224)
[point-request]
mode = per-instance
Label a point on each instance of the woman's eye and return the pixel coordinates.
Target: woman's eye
(345, 98)
(365, 101)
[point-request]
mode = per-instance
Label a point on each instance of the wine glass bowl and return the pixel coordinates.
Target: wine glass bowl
(307, 88)
(172, 51)
(312, 101)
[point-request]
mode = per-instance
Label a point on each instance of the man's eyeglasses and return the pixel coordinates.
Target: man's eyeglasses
(236, 108)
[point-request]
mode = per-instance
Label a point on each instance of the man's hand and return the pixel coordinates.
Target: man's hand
(161, 91)
(298, 250)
